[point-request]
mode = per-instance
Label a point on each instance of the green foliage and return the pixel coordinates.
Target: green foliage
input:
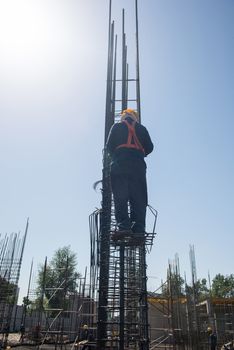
(174, 285)
(59, 279)
(223, 286)
(26, 302)
(199, 291)
(8, 291)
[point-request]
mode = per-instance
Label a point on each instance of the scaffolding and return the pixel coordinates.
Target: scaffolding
(51, 315)
(176, 312)
(57, 314)
(130, 311)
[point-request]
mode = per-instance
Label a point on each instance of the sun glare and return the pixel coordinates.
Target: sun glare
(22, 37)
(34, 38)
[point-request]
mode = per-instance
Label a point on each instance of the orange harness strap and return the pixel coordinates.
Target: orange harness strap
(133, 141)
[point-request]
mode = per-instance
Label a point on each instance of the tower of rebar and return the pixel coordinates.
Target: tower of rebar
(11, 255)
(120, 264)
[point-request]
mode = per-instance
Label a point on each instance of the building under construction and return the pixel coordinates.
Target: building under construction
(112, 298)
(177, 319)
(180, 319)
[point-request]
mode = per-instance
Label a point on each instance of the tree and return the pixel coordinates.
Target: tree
(8, 291)
(200, 290)
(174, 286)
(58, 279)
(223, 286)
(26, 302)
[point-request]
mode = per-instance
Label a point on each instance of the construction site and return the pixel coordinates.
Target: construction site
(112, 302)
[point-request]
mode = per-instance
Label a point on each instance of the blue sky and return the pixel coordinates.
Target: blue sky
(52, 105)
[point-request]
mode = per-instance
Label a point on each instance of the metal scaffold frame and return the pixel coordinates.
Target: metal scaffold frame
(176, 313)
(61, 324)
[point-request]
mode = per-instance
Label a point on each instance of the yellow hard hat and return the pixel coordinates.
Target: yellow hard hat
(85, 326)
(209, 329)
(129, 112)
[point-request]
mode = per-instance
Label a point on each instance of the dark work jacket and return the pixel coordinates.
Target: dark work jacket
(118, 135)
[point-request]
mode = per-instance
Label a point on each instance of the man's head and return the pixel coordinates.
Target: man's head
(209, 330)
(131, 113)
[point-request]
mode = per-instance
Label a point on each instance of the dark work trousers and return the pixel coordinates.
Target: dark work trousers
(213, 341)
(128, 182)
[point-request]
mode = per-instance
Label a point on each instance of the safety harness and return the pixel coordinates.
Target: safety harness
(133, 141)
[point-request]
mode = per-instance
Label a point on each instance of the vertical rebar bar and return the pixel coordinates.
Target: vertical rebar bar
(137, 65)
(27, 296)
(121, 299)
(106, 201)
(124, 64)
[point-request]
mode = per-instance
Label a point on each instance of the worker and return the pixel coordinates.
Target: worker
(22, 333)
(85, 338)
(128, 144)
(6, 331)
(212, 338)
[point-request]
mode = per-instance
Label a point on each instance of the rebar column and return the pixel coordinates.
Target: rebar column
(122, 292)
(121, 299)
